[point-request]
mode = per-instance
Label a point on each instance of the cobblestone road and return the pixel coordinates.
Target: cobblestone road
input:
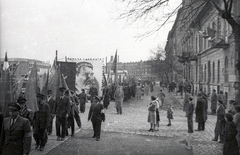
(134, 121)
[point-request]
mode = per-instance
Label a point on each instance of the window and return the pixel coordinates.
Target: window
(205, 73)
(226, 70)
(209, 71)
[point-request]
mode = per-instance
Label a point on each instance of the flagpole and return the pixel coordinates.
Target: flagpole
(116, 72)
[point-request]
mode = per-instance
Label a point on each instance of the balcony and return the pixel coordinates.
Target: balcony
(186, 57)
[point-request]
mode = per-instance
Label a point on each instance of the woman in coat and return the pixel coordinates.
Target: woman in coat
(220, 124)
(96, 113)
(152, 113)
(230, 146)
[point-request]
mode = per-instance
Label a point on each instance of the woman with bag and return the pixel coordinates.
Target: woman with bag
(152, 113)
(96, 114)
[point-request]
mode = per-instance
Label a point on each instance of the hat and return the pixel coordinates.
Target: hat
(49, 91)
(21, 100)
(62, 89)
(40, 95)
(14, 106)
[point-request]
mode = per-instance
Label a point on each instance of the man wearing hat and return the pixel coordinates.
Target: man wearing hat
(51, 103)
(41, 122)
(62, 111)
(24, 112)
(15, 136)
(96, 112)
(214, 102)
(200, 112)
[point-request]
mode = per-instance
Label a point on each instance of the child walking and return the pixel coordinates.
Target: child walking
(169, 114)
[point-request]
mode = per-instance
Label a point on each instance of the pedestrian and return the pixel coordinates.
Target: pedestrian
(186, 102)
(230, 146)
(221, 97)
(204, 96)
(96, 113)
(220, 124)
(83, 100)
(146, 89)
(169, 114)
(41, 123)
(158, 103)
(93, 91)
(138, 91)
(214, 102)
(51, 103)
(62, 111)
(15, 133)
(152, 113)
(24, 112)
(119, 96)
(190, 115)
(236, 120)
(200, 113)
(161, 96)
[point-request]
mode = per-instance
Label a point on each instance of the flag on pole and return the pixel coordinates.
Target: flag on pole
(114, 65)
(45, 85)
(32, 89)
(5, 63)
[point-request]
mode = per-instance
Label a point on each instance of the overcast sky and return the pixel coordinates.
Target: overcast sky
(35, 29)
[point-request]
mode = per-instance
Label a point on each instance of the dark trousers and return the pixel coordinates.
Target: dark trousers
(82, 107)
(96, 128)
(61, 123)
(49, 129)
(70, 122)
(40, 136)
(190, 124)
(77, 118)
(201, 126)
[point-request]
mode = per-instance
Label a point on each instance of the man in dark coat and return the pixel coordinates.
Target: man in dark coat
(189, 113)
(62, 111)
(214, 102)
(24, 112)
(93, 92)
(200, 113)
(51, 103)
(41, 123)
(95, 114)
(220, 124)
(16, 133)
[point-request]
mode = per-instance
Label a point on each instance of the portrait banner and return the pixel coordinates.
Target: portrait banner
(88, 74)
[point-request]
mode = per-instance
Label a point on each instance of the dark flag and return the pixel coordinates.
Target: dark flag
(114, 65)
(104, 82)
(45, 85)
(5, 92)
(32, 89)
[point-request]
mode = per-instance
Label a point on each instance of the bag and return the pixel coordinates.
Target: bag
(103, 117)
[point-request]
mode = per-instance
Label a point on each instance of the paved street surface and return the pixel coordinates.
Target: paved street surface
(132, 124)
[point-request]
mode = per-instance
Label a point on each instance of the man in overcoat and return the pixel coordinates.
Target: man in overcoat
(214, 102)
(200, 113)
(51, 103)
(62, 111)
(95, 115)
(16, 133)
(119, 96)
(189, 111)
(41, 123)
(220, 124)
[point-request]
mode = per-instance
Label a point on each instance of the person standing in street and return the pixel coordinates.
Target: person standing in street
(15, 133)
(83, 100)
(190, 115)
(41, 123)
(138, 91)
(186, 102)
(161, 96)
(222, 98)
(24, 112)
(119, 96)
(51, 103)
(200, 113)
(152, 113)
(95, 114)
(169, 114)
(62, 111)
(214, 102)
(220, 124)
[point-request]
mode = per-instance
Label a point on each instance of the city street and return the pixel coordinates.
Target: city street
(128, 133)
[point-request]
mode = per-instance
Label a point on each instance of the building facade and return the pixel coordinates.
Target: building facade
(205, 47)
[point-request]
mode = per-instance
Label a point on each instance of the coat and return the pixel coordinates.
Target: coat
(186, 102)
(230, 146)
(42, 117)
(51, 103)
(190, 110)
(62, 107)
(200, 110)
(95, 112)
(214, 101)
(220, 124)
(17, 139)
